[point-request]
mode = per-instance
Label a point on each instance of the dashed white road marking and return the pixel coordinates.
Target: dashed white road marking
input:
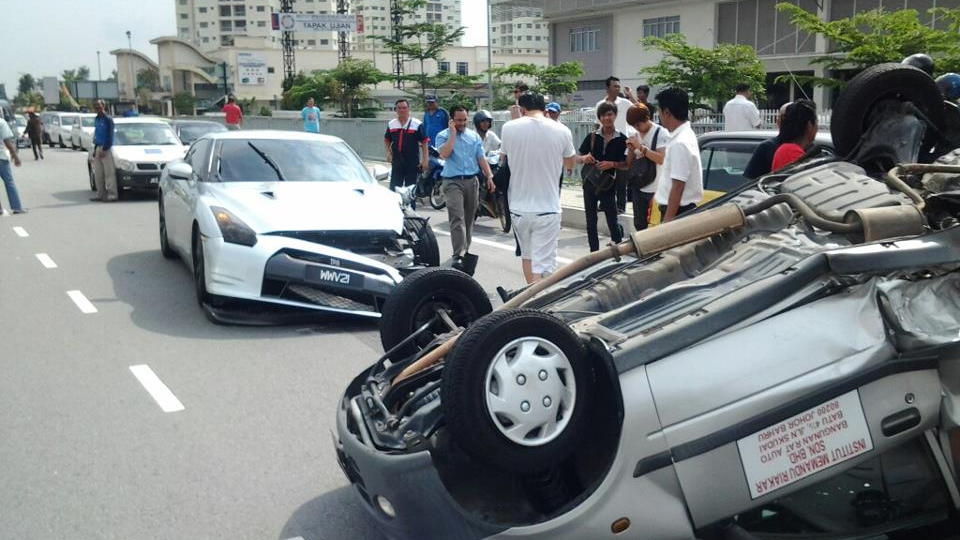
(498, 245)
(45, 260)
(155, 387)
(21, 232)
(81, 301)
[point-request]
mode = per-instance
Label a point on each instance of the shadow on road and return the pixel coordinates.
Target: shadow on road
(161, 295)
(335, 515)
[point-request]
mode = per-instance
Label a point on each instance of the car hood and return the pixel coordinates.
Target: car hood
(310, 206)
(161, 153)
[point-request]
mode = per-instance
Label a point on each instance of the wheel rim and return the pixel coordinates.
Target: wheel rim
(436, 196)
(163, 225)
(530, 390)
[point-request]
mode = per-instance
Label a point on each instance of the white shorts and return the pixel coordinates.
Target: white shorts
(537, 235)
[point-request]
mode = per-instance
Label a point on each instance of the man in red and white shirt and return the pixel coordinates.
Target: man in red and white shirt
(234, 115)
(406, 144)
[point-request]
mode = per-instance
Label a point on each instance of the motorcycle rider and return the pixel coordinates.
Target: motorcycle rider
(483, 123)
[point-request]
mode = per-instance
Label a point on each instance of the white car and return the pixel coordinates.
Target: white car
(81, 133)
(20, 131)
(292, 219)
(59, 131)
(142, 147)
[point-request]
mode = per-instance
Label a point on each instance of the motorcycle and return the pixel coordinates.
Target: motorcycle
(494, 204)
(429, 185)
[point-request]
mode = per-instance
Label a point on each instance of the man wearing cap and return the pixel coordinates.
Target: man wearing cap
(435, 119)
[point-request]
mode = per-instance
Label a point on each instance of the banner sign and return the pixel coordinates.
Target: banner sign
(304, 22)
(251, 69)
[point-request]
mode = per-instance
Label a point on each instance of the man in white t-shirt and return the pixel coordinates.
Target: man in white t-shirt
(537, 149)
(680, 185)
(741, 114)
(623, 105)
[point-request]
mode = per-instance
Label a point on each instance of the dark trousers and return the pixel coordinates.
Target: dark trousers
(36, 145)
(621, 187)
(607, 203)
(680, 211)
(403, 174)
(641, 207)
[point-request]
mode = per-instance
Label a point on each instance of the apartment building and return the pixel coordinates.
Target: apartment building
(517, 27)
(604, 36)
(377, 19)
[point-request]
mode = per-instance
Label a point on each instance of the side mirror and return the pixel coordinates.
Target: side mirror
(180, 171)
(379, 172)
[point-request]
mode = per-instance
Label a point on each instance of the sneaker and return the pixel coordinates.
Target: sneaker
(4, 213)
(20, 211)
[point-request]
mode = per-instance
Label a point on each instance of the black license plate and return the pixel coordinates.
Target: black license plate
(334, 277)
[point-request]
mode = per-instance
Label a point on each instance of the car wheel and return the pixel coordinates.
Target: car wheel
(121, 194)
(93, 181)
(437, 200)
(62, 144)
(853, 111)
(426, 250)
(503, 211)
(199, 270)
(516, 390)
(165, 249)
(416, 300)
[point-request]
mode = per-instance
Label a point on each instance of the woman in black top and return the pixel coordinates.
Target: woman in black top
(605, 149)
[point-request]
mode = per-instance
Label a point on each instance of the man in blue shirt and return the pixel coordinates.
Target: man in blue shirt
(104, 171)
(463, 151)
(311, 117)
(435, 119)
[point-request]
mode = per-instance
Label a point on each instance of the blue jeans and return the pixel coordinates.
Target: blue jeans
(7, 174)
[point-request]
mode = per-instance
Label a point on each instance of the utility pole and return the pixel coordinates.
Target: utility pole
(226, 87)
(489, 53)
(289, 58)
(396, 21)
(99, 73)
(343, 46)
(133, 76)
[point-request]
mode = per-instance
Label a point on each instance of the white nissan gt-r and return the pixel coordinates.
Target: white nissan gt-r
(277, 218)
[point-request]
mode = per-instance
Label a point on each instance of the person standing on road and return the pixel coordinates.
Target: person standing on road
(680, 186)
(537, 150)
(406, 145)
(35, 132)
(606, 150)
(435, 119)
(515, 110)
(646, 144)
(762, 157)
(622, 105)
(463, 151)
(6, 173)
(311, 117)
(741, 114)
(233, 114)
(104, 171)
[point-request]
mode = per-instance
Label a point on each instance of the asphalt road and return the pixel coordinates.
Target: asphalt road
(87, 452)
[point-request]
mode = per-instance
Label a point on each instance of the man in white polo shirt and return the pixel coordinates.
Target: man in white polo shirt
(537, 148)
(741, 114)
(680, 183)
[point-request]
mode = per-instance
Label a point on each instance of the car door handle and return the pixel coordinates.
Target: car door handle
(899, 422)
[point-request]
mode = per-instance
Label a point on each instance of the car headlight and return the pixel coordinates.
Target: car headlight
(234, 230)
(124, 165)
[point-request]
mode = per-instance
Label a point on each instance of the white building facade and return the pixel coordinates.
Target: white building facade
(517, 26)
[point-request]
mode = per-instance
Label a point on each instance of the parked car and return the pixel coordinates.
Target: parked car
(780, 363)
(142, 147)
(59, 130)
(20, 131)
(81, 133)
(191, 130)
(287, 219)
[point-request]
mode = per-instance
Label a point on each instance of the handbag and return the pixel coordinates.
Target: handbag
(643, 172)
(601, 181)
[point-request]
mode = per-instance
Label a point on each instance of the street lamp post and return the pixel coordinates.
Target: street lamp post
(99, 72)
(133, 77)
(490, 53)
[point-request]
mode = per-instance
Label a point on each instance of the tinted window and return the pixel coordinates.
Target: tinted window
(298, 161)
(89, 121)
(143, 134)
(198, 156)
(69, 119)
(723, 164)
(192, 132)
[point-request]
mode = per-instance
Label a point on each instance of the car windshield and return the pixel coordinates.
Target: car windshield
(270, 160)
(21, 121)
(68, 120)
(143, 134)
(192, 132)
(89, 121)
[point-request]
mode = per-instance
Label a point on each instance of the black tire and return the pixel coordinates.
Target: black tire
(199, 271)
(93, 182)
(853, 110)
(415, 300)
(427, 250)
(165, 249)
(62, 144)
(503, 211)
(464, 388)
(437, 200)
(121, 194)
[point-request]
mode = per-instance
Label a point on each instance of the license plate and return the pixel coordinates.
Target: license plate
(803, 445)
(335, 277)
(154, 180)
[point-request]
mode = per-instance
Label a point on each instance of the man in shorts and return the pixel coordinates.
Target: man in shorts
(537, 150)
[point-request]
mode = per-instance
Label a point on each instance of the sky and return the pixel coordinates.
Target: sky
(55, 35)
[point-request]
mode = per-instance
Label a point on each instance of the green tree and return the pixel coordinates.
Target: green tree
(149, 79)
(183, 103)
(113, 76)
(26, 84)
(453, 89)
(874, 37)
(320, 86)
(558, 82)
(71, 75)
(353, 77)
(708, 75)
(419, 41)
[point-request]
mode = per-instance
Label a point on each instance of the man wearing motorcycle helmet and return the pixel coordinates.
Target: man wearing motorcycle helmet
(949, 85)
(483, 123)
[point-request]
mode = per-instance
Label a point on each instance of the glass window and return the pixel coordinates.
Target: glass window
(239, 11)
(584, 39)
(724, 163)
(661, 26)
(184, 16)
(89, 121)
(224, 11)
(297, 161)
(202, 10)
(143, 134)
(462, 68)
(444, 67)
(260, 9)
(192, 132)
(203, 25)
